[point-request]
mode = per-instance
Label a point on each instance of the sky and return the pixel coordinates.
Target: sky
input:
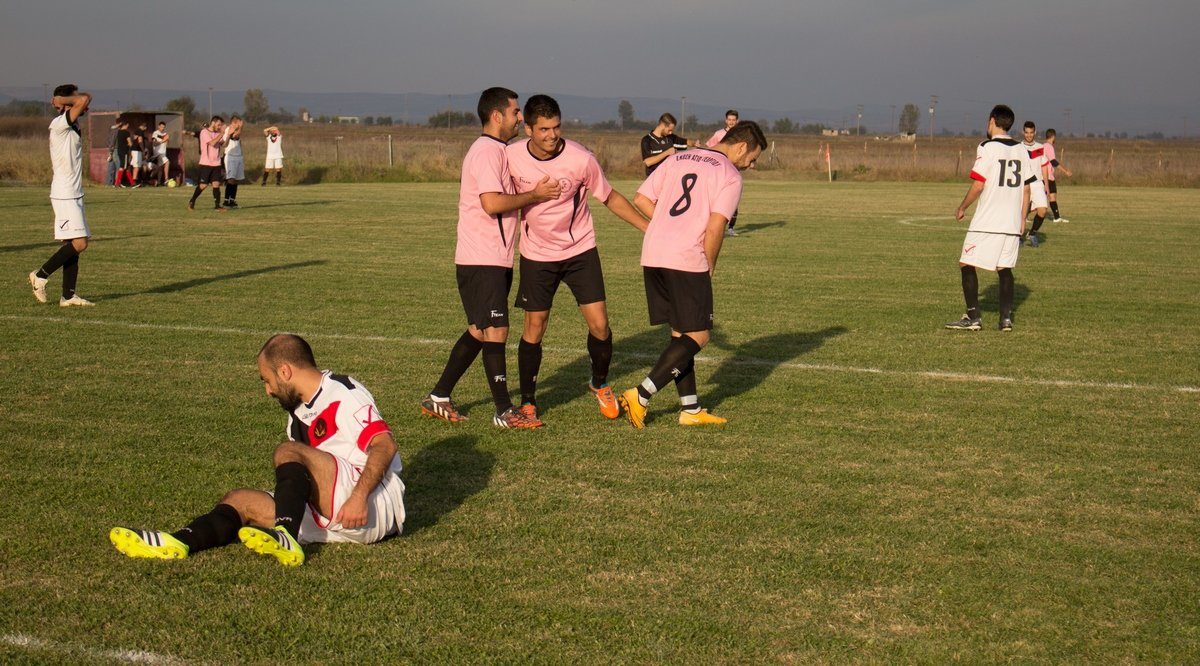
(1102, 58)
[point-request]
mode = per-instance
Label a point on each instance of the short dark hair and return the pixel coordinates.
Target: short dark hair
(747, 132)
(667, 119)
(1029, 124)
(493, 99)
(162, 122)
(216, 118)
(1050, 132)
(234, 117)
(66, 90)
(1004, 116)
(541, 106)
(732, 112)
(287, 348)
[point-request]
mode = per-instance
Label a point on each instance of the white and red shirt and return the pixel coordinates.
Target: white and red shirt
(210, 155)
(1037, 155)
(484, 240)
(561, 228)
(716, 137)
(1051, 160)
(340, 419)
(275, 147)
(66, 156)
(687, 188)
(1003, 166)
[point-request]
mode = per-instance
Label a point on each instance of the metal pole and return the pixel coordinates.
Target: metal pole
(210, 102)
(932, 108)
(682, 111)
(337, 150)
(390, 163)
(449, 105)
(858, 128)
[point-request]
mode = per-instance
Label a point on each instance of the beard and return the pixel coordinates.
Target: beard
(288, 398)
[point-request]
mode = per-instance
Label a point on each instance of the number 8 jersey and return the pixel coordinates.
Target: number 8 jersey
(1004, 168)
(686, 189)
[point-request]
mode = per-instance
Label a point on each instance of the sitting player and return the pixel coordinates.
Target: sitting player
(336, 479)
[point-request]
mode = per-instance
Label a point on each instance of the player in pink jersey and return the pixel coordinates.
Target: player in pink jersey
(211, 137)
(731, 119)
(483, 257)
(337, 477)
(558, 244)
(1054, 166)
(688, 199)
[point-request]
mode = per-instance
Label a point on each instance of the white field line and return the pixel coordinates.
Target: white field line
(941, 375)
(911, 222)
(34, 644)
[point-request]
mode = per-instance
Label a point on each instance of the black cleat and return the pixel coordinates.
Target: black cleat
(965, 324)
(1005, 324)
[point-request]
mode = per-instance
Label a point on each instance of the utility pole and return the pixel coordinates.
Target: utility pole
(932, 107)
(894, 128)
(210, 113)
(682, 113)
(449, 106)
(858, 129)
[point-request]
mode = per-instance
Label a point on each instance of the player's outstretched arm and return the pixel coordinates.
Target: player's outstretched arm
(714, 235)
(972, 195)
(496, 203)
(380, 451)
(76, 104)
(621, 207)
(655, 159)
(644, 205)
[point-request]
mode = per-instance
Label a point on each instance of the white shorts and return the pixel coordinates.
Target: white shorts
(69, 220)
(159, 159)
(274, 163)
(1037, 195)
(135, 158)
(235, 168)
(990, 251)
(385, 510)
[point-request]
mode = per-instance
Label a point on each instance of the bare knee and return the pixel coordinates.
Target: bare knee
(80, 244)
(288, 452)
(249, 505)
(535, 326)
(699, 337)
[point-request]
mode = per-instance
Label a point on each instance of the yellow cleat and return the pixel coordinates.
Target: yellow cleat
(276, 542)
(147, 543)
(701, 417)
(634, 411)
(608, 401)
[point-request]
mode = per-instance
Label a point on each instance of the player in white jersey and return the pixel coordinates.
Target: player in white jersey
(274, 155)
(66, 196)
(336, 478)
(158, 142)
(235, 163)
(1001, 178)
(1037, 191)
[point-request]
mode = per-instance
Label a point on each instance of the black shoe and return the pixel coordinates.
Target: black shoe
(1005, 324)
(965, 324)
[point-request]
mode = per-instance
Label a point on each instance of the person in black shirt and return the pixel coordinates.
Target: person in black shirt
(124, 147)
(662, 142)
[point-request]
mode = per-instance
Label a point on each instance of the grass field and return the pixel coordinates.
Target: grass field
(885, 490)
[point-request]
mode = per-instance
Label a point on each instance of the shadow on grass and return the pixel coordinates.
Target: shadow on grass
(989, 300)
(52, 244)
(197, 282)
(752, 362)
(744, 229)
(440, 477)
(312, 175)
(281, 205)
(570, 381)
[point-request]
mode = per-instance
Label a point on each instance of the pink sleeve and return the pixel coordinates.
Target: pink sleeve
(727, 199)
(652, 187)
(594, 179)
(487, 169)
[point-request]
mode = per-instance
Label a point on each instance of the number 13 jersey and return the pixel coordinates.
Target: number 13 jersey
(686, 189)
(1004, 168)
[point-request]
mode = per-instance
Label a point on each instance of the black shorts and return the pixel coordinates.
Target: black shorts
(123, 160)
(679, 298)
(1052, 187)
(211, 174)
(484, 294)
(540, 279)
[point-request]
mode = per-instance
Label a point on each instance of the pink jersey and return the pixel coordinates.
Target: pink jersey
(1051, 160)
(562, 228)
(687, 188)
(209, 155)
(484, 240)
(716, 137)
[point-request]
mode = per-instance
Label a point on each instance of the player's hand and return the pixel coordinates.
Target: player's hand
(671, 150)
(959, 214)
(546, 189)
(353, 513)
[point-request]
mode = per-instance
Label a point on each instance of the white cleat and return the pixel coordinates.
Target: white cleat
(39, 287)
(1061, 219)
(74, 301)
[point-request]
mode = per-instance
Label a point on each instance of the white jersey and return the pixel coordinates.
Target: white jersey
(1003, 166)
(1037, 155)
(341, 419)
(160, 148)
(233, 148)
(275, 147)
(66, 156)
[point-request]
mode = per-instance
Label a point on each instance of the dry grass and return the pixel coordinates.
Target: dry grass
(330, 153)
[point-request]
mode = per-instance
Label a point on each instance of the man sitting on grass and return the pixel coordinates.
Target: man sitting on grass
(336, 479)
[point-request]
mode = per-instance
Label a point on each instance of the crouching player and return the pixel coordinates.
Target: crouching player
(336, 478)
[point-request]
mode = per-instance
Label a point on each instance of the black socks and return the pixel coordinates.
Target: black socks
(70, 276)
(57, 260)
(231, 191)
(529, 362)
(1037, 223)
(215, 528)
(601, 352)
(685, 384)
(462, 355)
(196, 194)
(494, 366)
(970, 287)
(673, 361)
(1007, 287)
(293, 487)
